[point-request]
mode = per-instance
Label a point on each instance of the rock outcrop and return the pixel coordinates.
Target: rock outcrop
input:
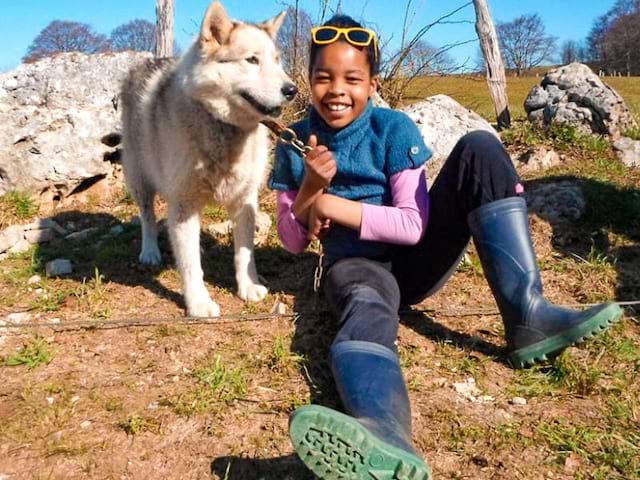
(54, 113)
(574, 95)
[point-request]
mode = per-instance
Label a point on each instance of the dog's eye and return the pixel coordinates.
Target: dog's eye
(253, 60)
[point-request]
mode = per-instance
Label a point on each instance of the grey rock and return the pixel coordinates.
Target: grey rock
(578, 96)
(538, 159)
(628, 151)
(518, 401)
(558, 202)
(54, 113)
(18, 317)
(81, 235)
(34, 280)
(58, 267)
(39, 236)
(22, 246)
(10, 236)
(442, 122)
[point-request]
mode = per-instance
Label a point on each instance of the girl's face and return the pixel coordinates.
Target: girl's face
(341, 83)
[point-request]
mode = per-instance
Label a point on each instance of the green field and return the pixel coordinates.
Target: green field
(472, 92)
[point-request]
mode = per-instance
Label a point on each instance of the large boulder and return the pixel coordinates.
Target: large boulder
(53, 114)
(442, 122)
(574, 95)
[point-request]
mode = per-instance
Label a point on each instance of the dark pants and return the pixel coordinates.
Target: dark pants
(365, 295)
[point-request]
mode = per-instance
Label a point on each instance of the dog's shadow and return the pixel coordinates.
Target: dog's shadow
(287, 467)
(115, 257)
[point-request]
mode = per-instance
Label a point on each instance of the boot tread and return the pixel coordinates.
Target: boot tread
(335, 446)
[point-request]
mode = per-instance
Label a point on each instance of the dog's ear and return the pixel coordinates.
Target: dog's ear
(216, 27)
(272, 26)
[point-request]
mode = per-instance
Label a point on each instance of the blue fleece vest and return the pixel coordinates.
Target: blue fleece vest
(368, 151)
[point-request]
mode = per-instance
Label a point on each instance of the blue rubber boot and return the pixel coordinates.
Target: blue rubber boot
(374, 439)
(535, 329)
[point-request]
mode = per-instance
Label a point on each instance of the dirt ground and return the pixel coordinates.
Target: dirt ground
(212, 400)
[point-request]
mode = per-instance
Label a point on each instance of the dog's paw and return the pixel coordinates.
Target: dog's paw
(150, 256)
(203, 308)
(252, 292)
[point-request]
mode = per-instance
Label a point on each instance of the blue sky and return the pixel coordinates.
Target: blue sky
(22, 20)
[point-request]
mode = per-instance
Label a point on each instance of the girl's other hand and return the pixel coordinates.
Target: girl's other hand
(320, 165)
(318, 224)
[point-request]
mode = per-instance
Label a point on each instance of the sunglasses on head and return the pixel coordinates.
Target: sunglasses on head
(360, 37)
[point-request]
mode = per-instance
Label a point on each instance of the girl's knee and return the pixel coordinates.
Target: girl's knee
(480, 140)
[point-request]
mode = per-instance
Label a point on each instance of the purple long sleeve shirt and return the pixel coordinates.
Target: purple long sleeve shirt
(402, 223)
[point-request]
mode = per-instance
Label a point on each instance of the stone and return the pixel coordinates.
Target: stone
(536, 159)
(81, 235)
(468, 389)
(44, 223)
(442, 122)
(10, 236)
(220, 229)
(39, 236)
(518, 401)
(18, 317)
(628, 151)
(22, 246)
(34, 280)
(54, 113)
(557, 202)
(577, 96)
(279, 308)
(58, 267)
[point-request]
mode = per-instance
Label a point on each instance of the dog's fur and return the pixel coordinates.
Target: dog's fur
(191, 133)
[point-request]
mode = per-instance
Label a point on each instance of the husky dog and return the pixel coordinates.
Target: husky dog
(192, 134)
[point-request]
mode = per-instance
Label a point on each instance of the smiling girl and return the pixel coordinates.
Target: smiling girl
(361, 190)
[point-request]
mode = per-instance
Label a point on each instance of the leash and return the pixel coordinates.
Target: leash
(288, 136)
(89, 324)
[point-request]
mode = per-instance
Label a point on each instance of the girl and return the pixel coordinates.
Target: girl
(387, 241)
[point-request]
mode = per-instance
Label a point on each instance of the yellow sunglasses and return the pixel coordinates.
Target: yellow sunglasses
(360, 37)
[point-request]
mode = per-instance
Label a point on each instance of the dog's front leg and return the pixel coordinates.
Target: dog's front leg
(184, 230)
(244, 220)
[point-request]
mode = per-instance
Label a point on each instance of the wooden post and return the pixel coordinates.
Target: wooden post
(493, 60)
(164, 28)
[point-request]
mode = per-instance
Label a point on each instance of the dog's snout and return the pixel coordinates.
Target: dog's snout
(289, 91)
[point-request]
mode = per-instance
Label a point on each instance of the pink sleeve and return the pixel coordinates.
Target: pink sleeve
(292, 233)
(405, 222)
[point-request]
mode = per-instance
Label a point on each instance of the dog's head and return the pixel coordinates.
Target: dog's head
(234, 68)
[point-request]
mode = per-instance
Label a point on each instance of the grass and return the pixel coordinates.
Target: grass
(472, 92)
(33, 354)
(137, 424)
(15, 207)
(216, 384)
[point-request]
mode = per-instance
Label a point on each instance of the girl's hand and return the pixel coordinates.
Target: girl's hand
(318, 223)
(320, 165)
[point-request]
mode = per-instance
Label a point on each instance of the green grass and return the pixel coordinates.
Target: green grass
(16, 206)
(32, 354)
(216, 385)
(136, 424)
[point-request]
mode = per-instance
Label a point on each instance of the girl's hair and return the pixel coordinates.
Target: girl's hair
(345, 21)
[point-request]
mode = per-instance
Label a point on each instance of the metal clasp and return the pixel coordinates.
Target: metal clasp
(289, 137)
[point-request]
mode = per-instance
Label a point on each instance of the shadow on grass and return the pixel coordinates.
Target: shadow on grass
(116, 257)
(240, 468)
(610, 208)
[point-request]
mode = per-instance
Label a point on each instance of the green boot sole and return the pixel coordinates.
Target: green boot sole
(546, 349)
(335, 446)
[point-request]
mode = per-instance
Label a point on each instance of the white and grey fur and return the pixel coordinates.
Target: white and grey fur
(192, 133)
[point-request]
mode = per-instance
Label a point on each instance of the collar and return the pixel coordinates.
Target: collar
(350, 134)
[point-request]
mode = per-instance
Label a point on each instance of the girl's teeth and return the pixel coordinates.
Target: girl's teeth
(337, 108)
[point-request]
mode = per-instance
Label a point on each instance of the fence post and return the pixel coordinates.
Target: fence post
(164, 28)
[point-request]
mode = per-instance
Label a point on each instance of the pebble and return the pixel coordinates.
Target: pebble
(18, 317)
(35, 279)
(58, 267)
(75, 399)
(518, 401)
(86, 424)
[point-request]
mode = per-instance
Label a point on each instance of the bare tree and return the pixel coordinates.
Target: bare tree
(164, 28)
(613, 40)
(496, 79)
(63, 36)
(525, 43)
(138, 35)
(395, 78)
(569, 51)
(293, 40)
